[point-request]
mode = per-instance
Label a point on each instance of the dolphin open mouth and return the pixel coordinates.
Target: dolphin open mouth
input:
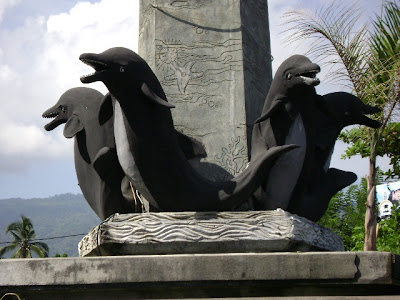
(96, 64)
(54, 113)
(310, 77)
(369, 110)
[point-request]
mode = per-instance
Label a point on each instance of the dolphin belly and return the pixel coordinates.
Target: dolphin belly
(125, 156)
(284, 175)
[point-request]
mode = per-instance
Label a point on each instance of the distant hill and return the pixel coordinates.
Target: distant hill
(60, 215)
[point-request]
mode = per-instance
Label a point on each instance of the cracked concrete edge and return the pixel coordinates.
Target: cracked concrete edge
(340, 267)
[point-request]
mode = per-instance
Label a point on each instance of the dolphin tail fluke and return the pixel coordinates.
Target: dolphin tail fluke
(191, 147)
(246, 183)
(315, 203)
(341, 178)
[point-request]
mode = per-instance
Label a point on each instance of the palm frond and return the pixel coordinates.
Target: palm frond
(17, 238)
(15, 226)
(44, 246)
(18, 254)
(6, 249)
(385, 60)
(39, 251)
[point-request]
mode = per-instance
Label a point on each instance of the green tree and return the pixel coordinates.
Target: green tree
(24, 236)
(345, 215)
(368, 61)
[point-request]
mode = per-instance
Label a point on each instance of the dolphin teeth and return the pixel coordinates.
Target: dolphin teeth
(88, 75)
(309, 74)
(51, 115)
(95, 62)
(97, 65)
(312, 81)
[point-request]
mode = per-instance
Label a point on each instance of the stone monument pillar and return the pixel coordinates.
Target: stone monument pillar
(213, 60)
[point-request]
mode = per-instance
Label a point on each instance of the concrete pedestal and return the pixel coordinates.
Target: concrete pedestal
(350, 275)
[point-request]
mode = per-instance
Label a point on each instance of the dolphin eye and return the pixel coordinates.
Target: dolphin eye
(121, 69)
(288, 76)
(63, 108)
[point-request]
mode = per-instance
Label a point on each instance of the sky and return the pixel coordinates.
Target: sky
(40, 42)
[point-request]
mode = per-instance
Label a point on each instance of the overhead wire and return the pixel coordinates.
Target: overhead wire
(49, 238)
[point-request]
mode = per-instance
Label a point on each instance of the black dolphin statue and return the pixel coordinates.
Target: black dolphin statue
(98, 170)
(340, 109)
(287, 118)
(147, 147)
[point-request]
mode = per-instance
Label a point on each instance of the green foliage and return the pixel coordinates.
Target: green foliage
(346, 213)
(389, 145)
(345, 216)
(389, 233)
(59, 255)
(24, 236)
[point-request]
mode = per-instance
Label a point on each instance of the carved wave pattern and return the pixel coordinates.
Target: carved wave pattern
(212, 226)
(192, 227)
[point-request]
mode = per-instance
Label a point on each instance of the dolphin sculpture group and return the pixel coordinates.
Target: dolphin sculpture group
(147, 148)
(301, 180)
(126, 139)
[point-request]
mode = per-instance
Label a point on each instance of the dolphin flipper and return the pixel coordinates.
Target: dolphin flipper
(154, 98)
(72, 127)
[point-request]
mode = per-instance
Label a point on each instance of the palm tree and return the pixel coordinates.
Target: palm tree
(24, 235)
(367, 61)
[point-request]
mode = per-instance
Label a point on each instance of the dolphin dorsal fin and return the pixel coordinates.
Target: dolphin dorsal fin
(106, 109)
(154, 98)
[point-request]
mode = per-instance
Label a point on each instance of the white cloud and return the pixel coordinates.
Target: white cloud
(40, 62)
(21, 144)
(7, 74)
(4, 4)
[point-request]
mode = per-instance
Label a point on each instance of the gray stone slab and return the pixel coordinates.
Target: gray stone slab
(213, 61)
(175, 268)
(207, 232)
(353, 266)
(202, 276)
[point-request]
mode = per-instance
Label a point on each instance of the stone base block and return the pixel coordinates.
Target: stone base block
(311, 275)
(207, 232)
